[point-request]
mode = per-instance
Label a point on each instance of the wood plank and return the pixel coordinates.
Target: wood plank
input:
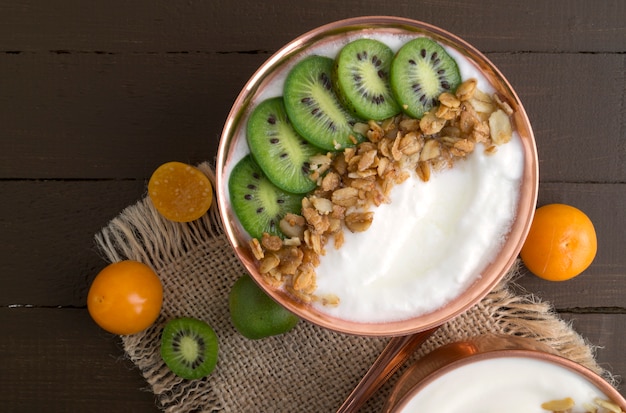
(601, 284)
(58, 360)
(119, 116)
(579, 133)
(120, 26)
(604, 332)
(590, 291)
(48, 256)
(103, 116)
(95, 96)
(48, 228)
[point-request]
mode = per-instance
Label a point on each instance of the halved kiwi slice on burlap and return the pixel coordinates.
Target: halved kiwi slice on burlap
(257, 202)
(361, 79)
(278, 149)
(420, 72)
(189, 347)
(313, 107)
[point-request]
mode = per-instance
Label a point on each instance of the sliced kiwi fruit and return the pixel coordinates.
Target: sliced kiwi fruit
(257, 202)
(361, 79)
(420, 72)
(189, 347)
(313, 107)
(278, 149)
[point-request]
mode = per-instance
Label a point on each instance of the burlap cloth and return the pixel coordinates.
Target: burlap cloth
(307, 370)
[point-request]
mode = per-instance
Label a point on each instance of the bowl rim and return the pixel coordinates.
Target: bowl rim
(527, 194)
(609, 391)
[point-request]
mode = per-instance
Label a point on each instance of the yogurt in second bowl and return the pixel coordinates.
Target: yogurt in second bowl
(437, 246)
(514, 381)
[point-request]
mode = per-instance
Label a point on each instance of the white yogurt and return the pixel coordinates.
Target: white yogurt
(274, 87)
(426, 246)
(507, 384)
(433, 239)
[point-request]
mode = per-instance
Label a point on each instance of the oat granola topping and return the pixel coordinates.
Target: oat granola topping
(352, 182)
(567, 406)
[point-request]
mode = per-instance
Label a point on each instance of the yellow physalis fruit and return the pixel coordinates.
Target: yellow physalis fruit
(561, 243)
(180, 192)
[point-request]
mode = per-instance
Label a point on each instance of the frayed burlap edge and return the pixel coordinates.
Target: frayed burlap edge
(193, 258)
(140, 233)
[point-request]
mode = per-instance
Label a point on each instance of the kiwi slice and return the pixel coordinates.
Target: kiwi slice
(361, 79)
(420, 72)
(314, 109)
(257, 202)
(278, 149)
(189, 347)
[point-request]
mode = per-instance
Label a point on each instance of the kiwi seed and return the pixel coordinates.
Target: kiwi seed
(361, 79)
(257, 202)
(278, 149)
(420, 72)
(189, 347)
(313, 107)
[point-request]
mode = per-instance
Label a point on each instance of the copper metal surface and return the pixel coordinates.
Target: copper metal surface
(286, 56)
(455, 355)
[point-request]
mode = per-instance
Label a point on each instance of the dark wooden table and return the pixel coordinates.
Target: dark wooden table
(95, 95)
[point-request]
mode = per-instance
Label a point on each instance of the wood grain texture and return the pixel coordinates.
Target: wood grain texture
(58, 360)
(95, 95)
(119, 116)
(605, 332)
(107, 116)
(121, 26)
(575, 103)
(47, 228)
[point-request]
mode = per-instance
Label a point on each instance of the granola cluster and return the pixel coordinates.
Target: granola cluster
(566, 406)
(350, 183)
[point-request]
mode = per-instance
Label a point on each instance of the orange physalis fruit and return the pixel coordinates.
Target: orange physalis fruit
(561, 243)
(180, 192)
(125, 297)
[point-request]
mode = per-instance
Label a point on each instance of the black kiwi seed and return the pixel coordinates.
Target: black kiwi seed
(279, 150)
(313, 107)
(361, 79)
(257, 202)
(420, 72)
(189, 347)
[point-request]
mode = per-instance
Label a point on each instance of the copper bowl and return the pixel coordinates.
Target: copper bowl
(440, 363)
(231, 149)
